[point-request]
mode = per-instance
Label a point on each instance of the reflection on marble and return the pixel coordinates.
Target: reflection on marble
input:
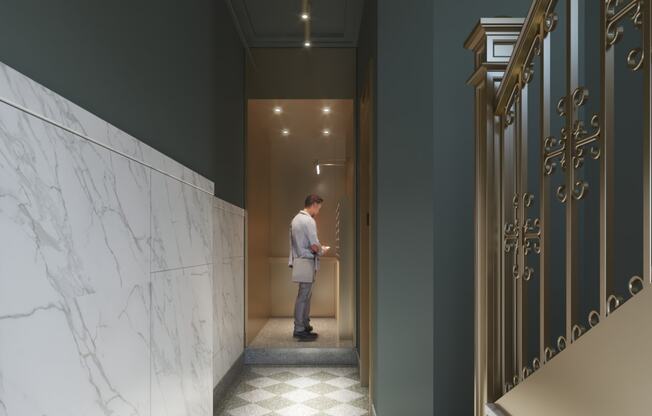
(181, 342)
(19, 90)
(181, 225)
(228, 287)
(74, 263)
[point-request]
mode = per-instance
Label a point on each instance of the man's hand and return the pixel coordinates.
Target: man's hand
(314, 248)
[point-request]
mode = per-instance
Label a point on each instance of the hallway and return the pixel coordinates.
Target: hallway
(297, 391)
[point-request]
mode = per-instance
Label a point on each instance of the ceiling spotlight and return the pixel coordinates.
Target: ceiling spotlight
(317, 169)
(305, 16)
(307, 44)
(326, 132)
(326, 110)
(285, 132)
(278, 110)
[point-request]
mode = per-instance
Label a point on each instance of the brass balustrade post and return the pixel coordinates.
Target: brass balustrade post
(606, 164)
(492, 42)
(572, 80)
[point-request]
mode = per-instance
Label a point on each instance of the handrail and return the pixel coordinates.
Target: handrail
(532, 29)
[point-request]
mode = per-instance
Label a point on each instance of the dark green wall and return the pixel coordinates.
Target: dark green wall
(453, 160)
(403, 340)
(169, 73)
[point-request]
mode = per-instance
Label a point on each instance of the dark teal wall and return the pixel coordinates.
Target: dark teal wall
(169, 73)
(453, 161)
(404, 218)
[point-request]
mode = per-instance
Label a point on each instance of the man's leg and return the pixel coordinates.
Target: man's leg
(300, 306)
(306, 318)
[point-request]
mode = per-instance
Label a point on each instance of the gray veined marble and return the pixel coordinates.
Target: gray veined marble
(23, 92)
(107, 293)
(228, 287)
(182, 233)
(181, 342)
(74, 262)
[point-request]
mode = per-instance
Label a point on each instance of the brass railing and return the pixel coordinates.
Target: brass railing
(562, 179)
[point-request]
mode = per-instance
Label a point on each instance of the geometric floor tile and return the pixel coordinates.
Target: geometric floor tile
(300, 396)
(342, 382)
(249, 410)
(344, 396)
(262, 382)
(255, 396)
(345, 410)
(303, 382)
(297, 391)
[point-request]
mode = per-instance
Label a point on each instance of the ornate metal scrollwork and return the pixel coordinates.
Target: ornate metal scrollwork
(549, 353)
(613, 303)
(561, 343)
(577, 332)
(522, 235)
(616, 12)
(536, 364)
(635, 285)
(594, 318)
(550, 22)
(581, 140)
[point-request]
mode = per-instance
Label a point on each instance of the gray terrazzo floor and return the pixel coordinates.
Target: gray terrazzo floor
(277, 333)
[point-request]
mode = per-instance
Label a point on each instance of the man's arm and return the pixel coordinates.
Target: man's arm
(311, 230)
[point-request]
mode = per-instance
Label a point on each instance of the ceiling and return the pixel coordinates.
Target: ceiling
(277, 23)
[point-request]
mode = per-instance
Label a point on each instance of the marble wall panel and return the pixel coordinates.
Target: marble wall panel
(182, 233)
(74, 274)
(228, 287)
(182, 320)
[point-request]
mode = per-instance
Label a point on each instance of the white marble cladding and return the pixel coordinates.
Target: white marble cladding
(182, 342)
(105, 267)
(228, 286)
(20, 91)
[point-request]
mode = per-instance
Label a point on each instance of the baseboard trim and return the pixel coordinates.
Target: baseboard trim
(223, 386)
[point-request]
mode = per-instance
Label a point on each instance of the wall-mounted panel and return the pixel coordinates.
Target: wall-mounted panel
(228, 287)
(182, 383)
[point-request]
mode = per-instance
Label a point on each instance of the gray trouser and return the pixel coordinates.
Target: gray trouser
(302, 307)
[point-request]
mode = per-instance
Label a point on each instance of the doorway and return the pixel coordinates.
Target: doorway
(296, 148)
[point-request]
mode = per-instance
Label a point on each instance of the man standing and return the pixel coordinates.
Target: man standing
(305, 250)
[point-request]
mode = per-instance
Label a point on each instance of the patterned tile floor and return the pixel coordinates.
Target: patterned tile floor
(297, 391)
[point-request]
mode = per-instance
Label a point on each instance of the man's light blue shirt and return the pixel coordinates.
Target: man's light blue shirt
(303, 234)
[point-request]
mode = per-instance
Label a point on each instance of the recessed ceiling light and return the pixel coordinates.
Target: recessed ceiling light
(278, 110)
(305, 16)
(285, 132)
(326, 132)
(326, 110)
(307, 44)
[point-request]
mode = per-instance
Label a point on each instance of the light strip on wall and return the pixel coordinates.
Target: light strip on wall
(329, 163)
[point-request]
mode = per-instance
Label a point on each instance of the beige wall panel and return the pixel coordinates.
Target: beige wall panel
(258, 204)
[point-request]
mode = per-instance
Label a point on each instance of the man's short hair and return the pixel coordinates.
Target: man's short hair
(313, 199)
